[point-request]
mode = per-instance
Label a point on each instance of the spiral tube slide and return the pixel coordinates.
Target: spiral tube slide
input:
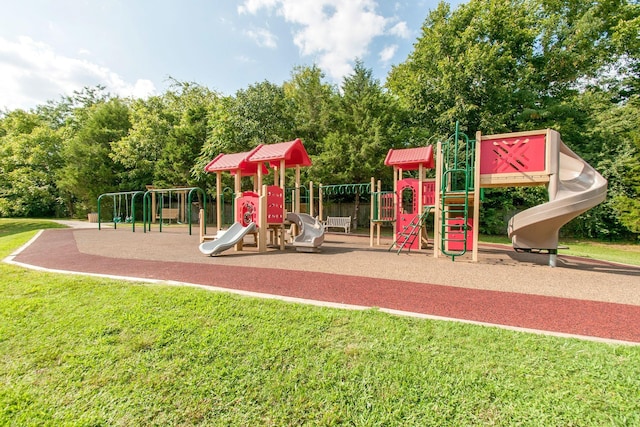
(574, 188)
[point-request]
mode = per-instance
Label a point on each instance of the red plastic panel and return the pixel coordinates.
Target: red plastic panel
(429, 193)
(275, 205)
(513, 155)
(455, 234)
(247, 208)
(407, 210)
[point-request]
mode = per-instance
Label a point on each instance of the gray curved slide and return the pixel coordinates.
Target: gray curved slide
(233, 235)
(574, 189)
(310, 232)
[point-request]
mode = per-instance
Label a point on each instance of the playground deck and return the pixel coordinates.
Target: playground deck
(580, 297)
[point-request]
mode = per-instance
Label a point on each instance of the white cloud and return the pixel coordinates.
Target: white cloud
(244, 59)
(32, 73)
(401, 30)
(335, 31)
(388, 52)
(263, 37)
(252, 6)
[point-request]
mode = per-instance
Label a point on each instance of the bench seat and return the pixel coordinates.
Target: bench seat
(343, 222)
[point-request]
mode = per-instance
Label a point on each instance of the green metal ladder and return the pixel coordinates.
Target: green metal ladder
(410, 232)
(458, 160)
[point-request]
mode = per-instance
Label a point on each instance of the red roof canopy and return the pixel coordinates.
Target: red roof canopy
(411, 158)
(293, 153)
(234, 163)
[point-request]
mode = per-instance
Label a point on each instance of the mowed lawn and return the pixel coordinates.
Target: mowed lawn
(94, 352)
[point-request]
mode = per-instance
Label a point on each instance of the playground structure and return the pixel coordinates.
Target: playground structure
(414, 197)
(262, 210)
(573, 185)
(463, 167)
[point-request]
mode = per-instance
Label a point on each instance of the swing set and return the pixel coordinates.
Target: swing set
(129, 208)
(158, 206)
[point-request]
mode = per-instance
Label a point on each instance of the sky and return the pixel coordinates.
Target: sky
(51, 48)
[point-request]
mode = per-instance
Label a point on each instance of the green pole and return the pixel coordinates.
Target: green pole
(99, 199)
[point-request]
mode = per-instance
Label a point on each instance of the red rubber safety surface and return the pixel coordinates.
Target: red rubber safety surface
(58, 250)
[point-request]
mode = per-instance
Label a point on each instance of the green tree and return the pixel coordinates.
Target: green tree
(138, 151)
(366, 128)
(89, 170)
(29, 159)
(187, 110)
(256, 115)
(70, 110)
(627, 46)
(312, 103)
(473, 65)
(506, 65)
(614, 129)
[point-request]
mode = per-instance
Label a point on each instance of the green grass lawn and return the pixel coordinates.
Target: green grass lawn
(84, 351)
(626, 253)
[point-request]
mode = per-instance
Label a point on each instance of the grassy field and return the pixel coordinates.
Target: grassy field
(83, 351)
(626, 253)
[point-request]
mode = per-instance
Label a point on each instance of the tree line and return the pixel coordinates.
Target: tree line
(495, 66)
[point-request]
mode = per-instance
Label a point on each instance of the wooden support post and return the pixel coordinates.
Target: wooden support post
(311, 198)
(397, 199)
(238, 183)
(218, 201)
(372, 211)
(420, 204)
(263, 228)
(201, 224)
(297, 200)
(476, 197)
(320, 202)
(437, 213)
(379, 197)
(283, 183)
(238, 191)
(420, 181)
(552, 153)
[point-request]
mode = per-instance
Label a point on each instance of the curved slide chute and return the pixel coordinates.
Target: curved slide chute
(310, 232)
(233, 235)
(574, 189)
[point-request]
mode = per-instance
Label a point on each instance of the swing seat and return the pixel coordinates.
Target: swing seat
(169, 214)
